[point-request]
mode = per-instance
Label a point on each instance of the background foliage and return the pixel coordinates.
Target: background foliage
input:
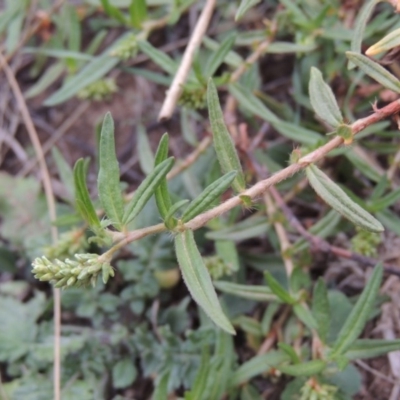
(305, 311)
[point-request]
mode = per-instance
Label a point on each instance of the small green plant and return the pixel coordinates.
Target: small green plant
(218, 217)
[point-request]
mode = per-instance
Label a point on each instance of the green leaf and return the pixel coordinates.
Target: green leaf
(251, 103)
(290, 351)
(244, 6)
(223, 143)
(162, 196)
(278, 290)
(138, 12)
(198, 281)
(321, 309)
(289, 47)
(112, 11)
(369, 348)
(340, 201)
(200, 382)
(82, 198)
(124, 373)
(227, 251)
(390, 220)
(323, 100)
(218, 56)
(324, 227)
(58, 53)
(385, 201)
(359, 315)
(52, 74)
(108, 179)
(251, 292)
(64, 171)
(268, 317)
(92, 72)
(206, 199)
(233, 59)
(146, 189)
(390, 41)
(298, 133)
(375, 71)
(146, 156)
(359, 27)
(161, 389)
(169, 220)
(253, 226)
(158, 57)
(309, 368)
(304, 315)
(257, 365)
(363, 164)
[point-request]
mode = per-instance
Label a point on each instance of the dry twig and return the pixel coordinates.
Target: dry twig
(51, 208)
(176, 87)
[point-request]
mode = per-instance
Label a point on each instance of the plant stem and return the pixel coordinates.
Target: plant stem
(259, 188)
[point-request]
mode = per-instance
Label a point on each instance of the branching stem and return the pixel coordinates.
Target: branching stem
(259, 188)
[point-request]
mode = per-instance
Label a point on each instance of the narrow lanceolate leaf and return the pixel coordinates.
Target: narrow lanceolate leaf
(303, 313)
(208, 196)
(244, 6)
(258, 365)
(388, 42)
(160, 58)
(65, 172)
(198, 281)
(321, 309)
(218, 56)
(323, 100)
(298, 133)
(162, 196)
(368, 348)
(200, 382)
(146, 156)
(304, 369)
(138, 12)
(170, 221)
(98, 67)
(278, 290)
(251, 103)
(359, 26)
(223, 143)
(82, 199)
(359, 315)
(251, 292)
(375, 71)
(108, 179)
(146, 189)
(339, 201)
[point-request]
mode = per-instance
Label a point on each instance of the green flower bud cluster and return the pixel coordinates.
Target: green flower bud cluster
(70, 243)
(98, 90)
(313, 390)
(365, 242)
(194, 97)
(80, 272)
(126, 49)
(217, 267)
